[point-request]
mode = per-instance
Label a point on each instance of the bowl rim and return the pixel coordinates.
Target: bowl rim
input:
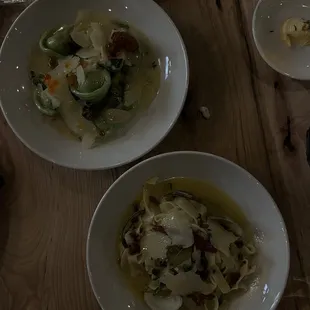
(130, 159)
(261, 51)
(195, 153)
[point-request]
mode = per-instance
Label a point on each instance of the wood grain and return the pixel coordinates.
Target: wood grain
(45, 210)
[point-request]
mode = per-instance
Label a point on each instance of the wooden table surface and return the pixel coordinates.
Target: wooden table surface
(45, 210)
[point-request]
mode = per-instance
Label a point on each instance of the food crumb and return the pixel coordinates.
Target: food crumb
(205, 112)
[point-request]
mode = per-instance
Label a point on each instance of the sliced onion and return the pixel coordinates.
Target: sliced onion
(97, 36)
(88, 52)
(80, 75)
(88, 140)
(80, 37)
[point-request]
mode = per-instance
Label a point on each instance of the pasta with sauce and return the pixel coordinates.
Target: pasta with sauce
(187, 257)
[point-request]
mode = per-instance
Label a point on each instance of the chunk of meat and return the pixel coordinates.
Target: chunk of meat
(122, 41)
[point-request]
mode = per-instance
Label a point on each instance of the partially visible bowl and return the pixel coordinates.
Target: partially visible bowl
(245, 190)
(145, 132)
(268, 19)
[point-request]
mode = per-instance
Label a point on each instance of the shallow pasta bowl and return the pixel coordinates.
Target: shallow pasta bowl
(257, 205)
(143, 133)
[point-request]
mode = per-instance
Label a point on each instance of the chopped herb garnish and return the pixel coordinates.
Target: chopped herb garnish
(121, 24)
(37, 79)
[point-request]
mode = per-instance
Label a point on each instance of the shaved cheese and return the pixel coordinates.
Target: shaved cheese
(185, 283)
(202, 209)
(177, 225)
(187, 207)
(134, 266)
(155, 244)
(228, 224)
(221, 239)
(165, 207)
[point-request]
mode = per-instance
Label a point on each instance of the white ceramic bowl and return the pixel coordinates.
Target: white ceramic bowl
(268, 19)
(244, 189)
(143, 134)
